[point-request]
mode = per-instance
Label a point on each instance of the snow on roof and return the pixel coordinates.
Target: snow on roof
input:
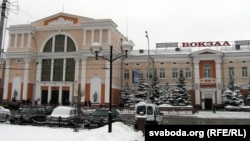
(167, 105)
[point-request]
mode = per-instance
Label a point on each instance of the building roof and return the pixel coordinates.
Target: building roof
(65, 19)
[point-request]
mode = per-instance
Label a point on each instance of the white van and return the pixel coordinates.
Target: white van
(151, 111)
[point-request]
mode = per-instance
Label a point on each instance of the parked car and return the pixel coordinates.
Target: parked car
(29, 114)
(50, 109)
(100, 117)
(65, 116)
(5, 104)
(4, 114)
(12, 105)
(151, 111)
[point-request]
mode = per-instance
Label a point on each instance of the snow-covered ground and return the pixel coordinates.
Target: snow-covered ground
(120, 132)
(210, 114)
(223, 114)
(204, 114)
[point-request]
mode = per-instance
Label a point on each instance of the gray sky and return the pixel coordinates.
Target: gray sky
(165, 20)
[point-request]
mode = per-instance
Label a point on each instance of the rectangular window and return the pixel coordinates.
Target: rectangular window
(58, 70)
(46, 69)
(70, 70)
(174, 73)
(207, 71)
(244, 72)
(162, 73)
(231, 71)
(126, 74)
(243, 61)
(59, 43)
(188, 73)
(149, 74)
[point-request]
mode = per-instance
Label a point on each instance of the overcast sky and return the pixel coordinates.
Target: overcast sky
(165, 20)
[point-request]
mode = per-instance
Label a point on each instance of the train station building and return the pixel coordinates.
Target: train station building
(49, 62)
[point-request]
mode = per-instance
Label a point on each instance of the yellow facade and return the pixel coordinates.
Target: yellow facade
(49, 61)
(58, 39)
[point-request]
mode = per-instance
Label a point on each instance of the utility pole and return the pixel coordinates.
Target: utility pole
(6, 6)
(3, 16)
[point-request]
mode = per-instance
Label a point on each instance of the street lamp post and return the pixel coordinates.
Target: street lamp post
(148, 70)
(35, 77)
(96, 49)
(249, 87)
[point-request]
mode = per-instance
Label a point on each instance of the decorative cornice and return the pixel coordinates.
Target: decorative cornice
(61, 20)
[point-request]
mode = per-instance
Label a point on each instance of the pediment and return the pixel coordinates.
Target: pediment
(206, 52)
(62, 19)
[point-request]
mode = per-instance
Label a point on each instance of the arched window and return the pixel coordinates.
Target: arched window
(207, 71)
(59, 69)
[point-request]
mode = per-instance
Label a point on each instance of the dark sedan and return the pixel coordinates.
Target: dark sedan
(29, 114)
(100, 117)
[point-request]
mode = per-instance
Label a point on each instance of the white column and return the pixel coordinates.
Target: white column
(84, 37)
(10, 40)
(6, 80)
(22, 40)
(109, 36)
(218, 80)
(83, 78)
(29, 39)
(75, 88)
(76, 81)
(37, 79)
(92, 35)
(107, 82)
(197, 81)
(38, 70)
(60, 95)
(64, 69)
(71, 94)
(100, 36)
(52, 68)
(15, 44)
(26, 77)
(49, 94)
(76, 69)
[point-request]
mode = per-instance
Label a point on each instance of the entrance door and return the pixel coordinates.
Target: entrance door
(208, 103)
(54, 97)
(44, 97)
(65, 97)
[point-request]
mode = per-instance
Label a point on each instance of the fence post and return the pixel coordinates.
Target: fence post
(141, 122)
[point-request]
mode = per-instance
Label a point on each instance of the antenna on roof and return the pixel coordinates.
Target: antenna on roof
(63, 8)
(127, 28)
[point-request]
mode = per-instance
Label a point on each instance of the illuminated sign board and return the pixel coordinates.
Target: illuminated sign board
(242, 42)
(135, 77)
(163, 45)
(205, 44)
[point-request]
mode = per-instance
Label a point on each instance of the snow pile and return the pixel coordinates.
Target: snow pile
(120, 131)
